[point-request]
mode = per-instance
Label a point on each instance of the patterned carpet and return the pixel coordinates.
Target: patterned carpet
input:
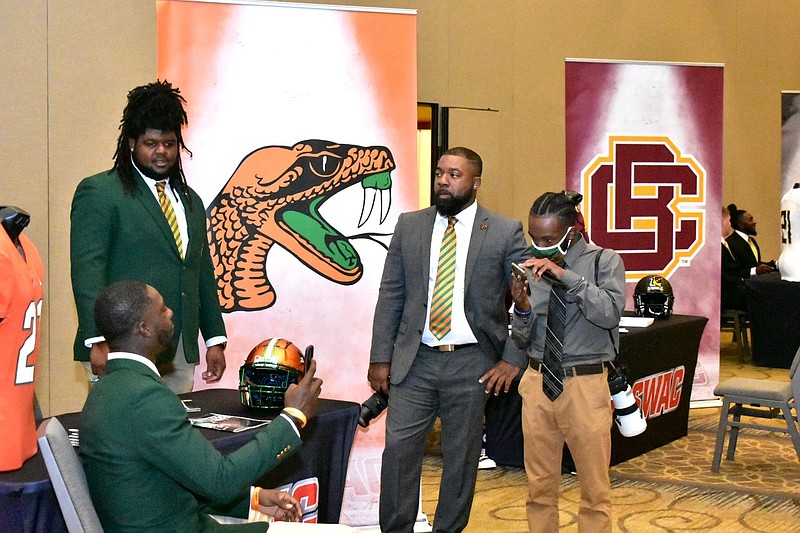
(670, 489)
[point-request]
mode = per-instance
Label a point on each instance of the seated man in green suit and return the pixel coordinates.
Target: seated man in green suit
(147, 467)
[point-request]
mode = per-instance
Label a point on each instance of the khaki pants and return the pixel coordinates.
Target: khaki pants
(581, 417)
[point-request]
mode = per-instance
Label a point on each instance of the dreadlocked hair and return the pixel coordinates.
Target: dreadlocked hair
(736, 215)
(561, 205)
(157, 106)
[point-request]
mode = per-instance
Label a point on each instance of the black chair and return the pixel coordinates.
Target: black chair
(738, 322)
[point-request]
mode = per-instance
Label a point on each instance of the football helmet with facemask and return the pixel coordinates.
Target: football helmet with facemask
(653, 297)
(271, 367)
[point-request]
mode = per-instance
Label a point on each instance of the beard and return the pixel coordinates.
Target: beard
(152, 173)
(165, 339)
(449, 205)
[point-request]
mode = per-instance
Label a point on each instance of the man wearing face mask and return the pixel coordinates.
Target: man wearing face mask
(569, 327)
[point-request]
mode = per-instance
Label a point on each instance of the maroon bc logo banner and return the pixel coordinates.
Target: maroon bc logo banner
(644, 147)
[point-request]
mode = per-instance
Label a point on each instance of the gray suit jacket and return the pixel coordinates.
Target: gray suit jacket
(402, 305)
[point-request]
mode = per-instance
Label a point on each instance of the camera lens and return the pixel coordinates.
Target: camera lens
(372, 407)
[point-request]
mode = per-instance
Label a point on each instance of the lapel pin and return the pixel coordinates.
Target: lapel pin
(483, 227)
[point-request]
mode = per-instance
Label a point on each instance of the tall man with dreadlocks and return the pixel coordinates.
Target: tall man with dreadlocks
(566, 315)
(140, 220)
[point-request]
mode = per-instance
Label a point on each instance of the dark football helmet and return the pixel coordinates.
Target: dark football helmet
(653, 297)
(271, 367)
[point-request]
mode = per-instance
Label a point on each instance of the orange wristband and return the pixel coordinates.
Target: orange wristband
(254, 504)
(298, 414)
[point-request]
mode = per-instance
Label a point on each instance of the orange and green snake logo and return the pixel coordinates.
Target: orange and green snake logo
(274, 197)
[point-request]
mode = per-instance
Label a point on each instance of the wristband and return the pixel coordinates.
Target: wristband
(522, 314)
(298, 414)
(254, 503)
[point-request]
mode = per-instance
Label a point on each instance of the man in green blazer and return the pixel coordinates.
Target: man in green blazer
(147, 468)
(140, 220)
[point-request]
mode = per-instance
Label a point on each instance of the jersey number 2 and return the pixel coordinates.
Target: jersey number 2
(29, 323)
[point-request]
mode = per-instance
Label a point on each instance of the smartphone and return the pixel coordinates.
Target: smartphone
(519, 271)
(309, 355)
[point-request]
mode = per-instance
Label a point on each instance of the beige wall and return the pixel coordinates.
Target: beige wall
(67, 66)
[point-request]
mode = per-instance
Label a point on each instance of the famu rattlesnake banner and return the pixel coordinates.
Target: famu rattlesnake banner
(302, 126)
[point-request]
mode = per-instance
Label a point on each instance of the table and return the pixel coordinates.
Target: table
(774, 319)
(28, 503)
(661, 360)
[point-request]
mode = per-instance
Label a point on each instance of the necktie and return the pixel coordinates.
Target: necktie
(554, 343)
(752, 244)
(442, 299)
(169, 212)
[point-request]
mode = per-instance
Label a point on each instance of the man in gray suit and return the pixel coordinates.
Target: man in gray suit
(439, 337)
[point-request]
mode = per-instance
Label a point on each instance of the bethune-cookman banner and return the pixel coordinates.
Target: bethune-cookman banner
(644, 147)
(302, 125)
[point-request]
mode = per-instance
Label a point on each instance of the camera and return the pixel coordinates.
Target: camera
(627, 414)
(372, 407)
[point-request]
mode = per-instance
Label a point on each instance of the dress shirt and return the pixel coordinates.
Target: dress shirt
(460, 332)
(135, 357)
(175, 200)
(746, 238)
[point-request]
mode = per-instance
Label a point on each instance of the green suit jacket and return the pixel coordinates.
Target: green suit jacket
(149, 469)
(115, 236)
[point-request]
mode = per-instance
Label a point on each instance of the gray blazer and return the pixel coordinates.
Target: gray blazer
(401, 310)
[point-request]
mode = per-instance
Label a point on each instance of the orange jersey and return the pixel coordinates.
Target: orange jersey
(20, 313)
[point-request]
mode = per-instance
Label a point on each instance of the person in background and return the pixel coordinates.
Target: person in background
(21, 292)
(732, 288)
(569, 326)
(140, 220)
(743, 258)
(439, 337)
(147, 467)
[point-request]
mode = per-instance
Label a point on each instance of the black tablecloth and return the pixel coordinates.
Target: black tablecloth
(774, 307)
(28, 503)
(652, 355)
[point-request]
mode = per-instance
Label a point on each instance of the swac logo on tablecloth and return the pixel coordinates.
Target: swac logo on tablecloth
(660, 393)
(306, 491)
(646, 200)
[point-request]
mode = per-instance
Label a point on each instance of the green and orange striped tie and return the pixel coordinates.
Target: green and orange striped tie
(169, 212)
(442, 299)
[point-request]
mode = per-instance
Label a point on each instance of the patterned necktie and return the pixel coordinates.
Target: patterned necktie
(753, 248)
(442, 299)
(554, 343)
(169, 212)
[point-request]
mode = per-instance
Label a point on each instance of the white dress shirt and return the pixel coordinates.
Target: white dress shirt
(460, 332)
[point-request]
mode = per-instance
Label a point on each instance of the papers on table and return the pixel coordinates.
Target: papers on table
(635, 322)
(231, 423)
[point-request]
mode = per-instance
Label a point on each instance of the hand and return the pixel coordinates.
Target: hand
(764, 268)
(98, 355)
(378, 376)
(215, 364)
(539, 267)
(305, 395)
(279, 504)
(519, 292)
(498, 379)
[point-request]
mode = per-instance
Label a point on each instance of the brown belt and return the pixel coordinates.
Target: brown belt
(572, 371)
(450, 347)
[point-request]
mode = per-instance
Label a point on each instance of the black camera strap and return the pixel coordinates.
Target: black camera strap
(597, 283)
